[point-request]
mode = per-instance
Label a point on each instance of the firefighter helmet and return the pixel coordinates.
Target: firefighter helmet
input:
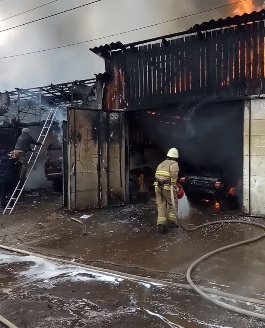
(173, 153)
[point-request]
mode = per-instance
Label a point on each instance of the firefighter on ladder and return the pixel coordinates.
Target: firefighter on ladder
(21, 148)
(166, 175)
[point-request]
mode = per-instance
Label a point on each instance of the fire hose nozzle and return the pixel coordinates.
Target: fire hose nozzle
(179, 191)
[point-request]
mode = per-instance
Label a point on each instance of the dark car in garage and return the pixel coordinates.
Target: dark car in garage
(205, 184)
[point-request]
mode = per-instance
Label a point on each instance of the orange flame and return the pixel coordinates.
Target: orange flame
(246, 7)
(232, 191)
(217, 205)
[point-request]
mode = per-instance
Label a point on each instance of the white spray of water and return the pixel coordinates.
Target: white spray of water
(183, 207)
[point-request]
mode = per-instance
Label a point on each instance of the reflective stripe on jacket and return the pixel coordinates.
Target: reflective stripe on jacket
(167, 174)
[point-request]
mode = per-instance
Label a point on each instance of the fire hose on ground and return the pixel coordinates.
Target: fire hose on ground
(203, 291)
(197, 288)
(7, 323)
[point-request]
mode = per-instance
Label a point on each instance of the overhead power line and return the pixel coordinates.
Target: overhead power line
(27, 11)
(119, 33)
(49, 16)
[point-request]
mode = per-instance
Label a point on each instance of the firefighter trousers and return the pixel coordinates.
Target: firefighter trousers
(164, 205)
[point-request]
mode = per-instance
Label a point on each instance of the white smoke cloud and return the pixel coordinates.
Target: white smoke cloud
(37, 177)
(100, 19)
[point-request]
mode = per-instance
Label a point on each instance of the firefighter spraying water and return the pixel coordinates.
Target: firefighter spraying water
(166, 175)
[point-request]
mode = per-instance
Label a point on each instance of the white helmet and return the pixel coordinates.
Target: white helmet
(173, 153)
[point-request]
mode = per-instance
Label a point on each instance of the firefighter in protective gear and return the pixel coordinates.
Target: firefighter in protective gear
(166, 175)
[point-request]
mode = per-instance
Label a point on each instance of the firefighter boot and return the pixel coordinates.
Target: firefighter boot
(162, 228)
(173, 224)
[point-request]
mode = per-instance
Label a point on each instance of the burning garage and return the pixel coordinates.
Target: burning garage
(201, 91)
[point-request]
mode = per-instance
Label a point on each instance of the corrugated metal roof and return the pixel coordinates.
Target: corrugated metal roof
(228, 21)
(210, 25)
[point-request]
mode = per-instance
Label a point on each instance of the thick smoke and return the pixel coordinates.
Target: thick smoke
(63, 65)
(139, 13)
(213, 138)
(91, 22)
(37, 178)
(61, 116)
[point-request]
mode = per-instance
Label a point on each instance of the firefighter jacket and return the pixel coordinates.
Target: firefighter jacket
(166, 174)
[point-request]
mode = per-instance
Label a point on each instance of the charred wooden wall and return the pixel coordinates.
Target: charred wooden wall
(227, 62)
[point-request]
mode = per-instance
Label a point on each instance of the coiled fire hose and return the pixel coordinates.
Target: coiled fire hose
(198, 289)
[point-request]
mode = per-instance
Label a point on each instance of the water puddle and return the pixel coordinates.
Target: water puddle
(100, 297)
(35, 269)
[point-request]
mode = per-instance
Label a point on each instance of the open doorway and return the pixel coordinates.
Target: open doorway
(113, 155)
(210, 144)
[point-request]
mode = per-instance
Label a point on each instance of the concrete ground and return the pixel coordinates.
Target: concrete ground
(36, 293)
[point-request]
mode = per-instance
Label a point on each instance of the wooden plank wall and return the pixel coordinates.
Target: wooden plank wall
(226, 62)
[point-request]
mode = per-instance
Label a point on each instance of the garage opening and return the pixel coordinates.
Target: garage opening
(8, 137)
(210, 144)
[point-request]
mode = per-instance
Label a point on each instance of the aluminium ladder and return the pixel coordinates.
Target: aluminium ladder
(31, 162)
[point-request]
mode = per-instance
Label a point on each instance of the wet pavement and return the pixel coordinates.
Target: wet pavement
(37, 293)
